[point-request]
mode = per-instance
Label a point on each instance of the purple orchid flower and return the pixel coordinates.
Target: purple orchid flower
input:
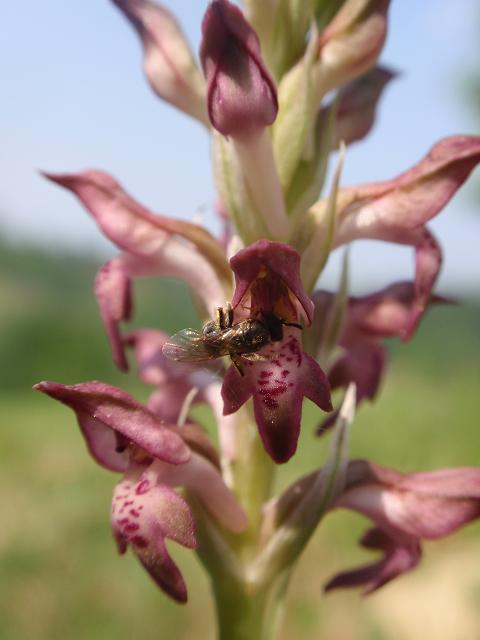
(267, 276)
(152, 245)
(396, 210)
(368, 321)
(406, 508)
(154, 457)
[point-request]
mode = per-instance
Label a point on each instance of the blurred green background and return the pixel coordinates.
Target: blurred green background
(60, 576)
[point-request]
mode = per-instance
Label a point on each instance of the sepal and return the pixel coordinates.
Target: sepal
(110, 419)
(168, 62)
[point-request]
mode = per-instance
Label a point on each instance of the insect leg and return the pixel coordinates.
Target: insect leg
(228, 311)
(224, 316)
(219, 317)
(236, 362)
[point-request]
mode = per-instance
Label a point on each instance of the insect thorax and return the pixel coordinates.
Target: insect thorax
(247, 336)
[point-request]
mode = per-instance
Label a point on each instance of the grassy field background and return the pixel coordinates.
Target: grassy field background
(60, 576)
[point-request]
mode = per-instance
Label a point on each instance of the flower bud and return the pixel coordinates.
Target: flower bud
(168, 61)
(351, 43)
(240, 92)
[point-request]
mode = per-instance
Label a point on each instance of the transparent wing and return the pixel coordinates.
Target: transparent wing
(187, 345)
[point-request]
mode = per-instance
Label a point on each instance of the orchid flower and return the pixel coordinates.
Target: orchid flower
(406, 508)
(284, 84)
(125, 437)
(360, 355)
(268, 281)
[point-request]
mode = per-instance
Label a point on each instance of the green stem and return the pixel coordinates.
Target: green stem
(246, 613)
(253, 474)
(246, 608)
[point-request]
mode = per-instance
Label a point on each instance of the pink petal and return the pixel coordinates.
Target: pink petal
(168, 61)
(396, 210)
(144, 514)
(154, 246)
(381, 209)
(138, 231)
(277, 259)
(113, 292)
(278, 386)
(398, 559)
(428, 505)
(241, 94)
(100, 408)
(204, 480)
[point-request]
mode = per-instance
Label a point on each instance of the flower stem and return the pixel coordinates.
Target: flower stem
(245, 613)
(253, 474)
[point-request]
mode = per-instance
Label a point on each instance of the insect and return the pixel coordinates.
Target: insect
(221, 337)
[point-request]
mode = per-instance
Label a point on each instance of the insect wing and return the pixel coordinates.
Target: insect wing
(187, 345)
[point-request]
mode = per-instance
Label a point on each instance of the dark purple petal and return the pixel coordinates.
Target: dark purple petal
(363, 363)
(240, 92)
(398, 558)
(385, 313)
(357, 105)
(278, 266)
(278, 385)
(102, 409)
(144, 514)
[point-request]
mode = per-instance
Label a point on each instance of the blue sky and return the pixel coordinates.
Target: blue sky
(74, 97)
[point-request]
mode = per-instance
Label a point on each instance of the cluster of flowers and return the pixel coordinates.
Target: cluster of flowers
(264, 97)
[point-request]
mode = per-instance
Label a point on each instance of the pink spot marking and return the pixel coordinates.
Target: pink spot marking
(288, 359)
(139, 541)
(270, 403)
(128, 503)
(278, 390)
(135, 513)
(263, 382)
(142, 487)
(285, 373)
(123, 521)
(266, 374)
(131, 527)
(295, 350)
